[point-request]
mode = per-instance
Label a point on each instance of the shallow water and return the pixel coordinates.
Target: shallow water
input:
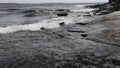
(12, 20)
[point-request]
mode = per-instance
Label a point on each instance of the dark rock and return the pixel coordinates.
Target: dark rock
(42, 28)
(12, 9)
(115, 4)
(81, 23)
(29, 11)
(30, 15)
(78, 31)
(62, 14)
(95, 6)
(111, 6)
(78, 15)
(62, 23)
(87, 12)
(84, 35)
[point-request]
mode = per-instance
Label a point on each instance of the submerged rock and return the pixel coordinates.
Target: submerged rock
(30, 15)
(76, 31)
(42, 28)
(62, 14)
(13, 9)
(29, 11)
(84, 35)
(62, 23)
(99, 14)
(81, 23)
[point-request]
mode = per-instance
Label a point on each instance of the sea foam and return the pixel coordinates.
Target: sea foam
(48, 24)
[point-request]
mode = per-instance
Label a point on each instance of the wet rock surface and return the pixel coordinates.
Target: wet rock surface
(62, 14)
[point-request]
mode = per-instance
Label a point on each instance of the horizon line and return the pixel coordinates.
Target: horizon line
(52, 2)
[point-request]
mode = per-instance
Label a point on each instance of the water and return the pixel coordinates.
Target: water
(13, 19)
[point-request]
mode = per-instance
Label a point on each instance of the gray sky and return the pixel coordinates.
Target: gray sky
(47, 1)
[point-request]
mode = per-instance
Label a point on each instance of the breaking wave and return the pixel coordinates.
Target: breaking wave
(79, 6)
(83, 10)
(48, 24)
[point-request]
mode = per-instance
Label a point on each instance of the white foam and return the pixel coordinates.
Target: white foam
(79, 5)
(50, 23)
(83, 10)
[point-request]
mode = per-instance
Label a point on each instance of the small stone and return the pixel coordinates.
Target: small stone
(62, 23)
(81, 23)
(30, 15)
(78, 31)
(84, 35)
(62, 14)
(42, 28)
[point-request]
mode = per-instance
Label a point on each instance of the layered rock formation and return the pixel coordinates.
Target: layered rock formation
(111, 6)
(114, 5)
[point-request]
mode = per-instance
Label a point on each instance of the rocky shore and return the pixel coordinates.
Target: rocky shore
(111, 6)
(94, 43)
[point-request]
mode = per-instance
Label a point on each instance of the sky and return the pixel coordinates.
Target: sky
(51, 1)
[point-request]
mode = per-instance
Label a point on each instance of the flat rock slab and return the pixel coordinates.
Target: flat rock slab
(111, 34)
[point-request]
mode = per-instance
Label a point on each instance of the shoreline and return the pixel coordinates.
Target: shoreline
(88, 44)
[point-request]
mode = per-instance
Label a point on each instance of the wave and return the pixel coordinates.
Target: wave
(48, 24)
(79, 6)
(83, 10)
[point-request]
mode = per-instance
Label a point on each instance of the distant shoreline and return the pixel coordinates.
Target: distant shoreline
(58, 3)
